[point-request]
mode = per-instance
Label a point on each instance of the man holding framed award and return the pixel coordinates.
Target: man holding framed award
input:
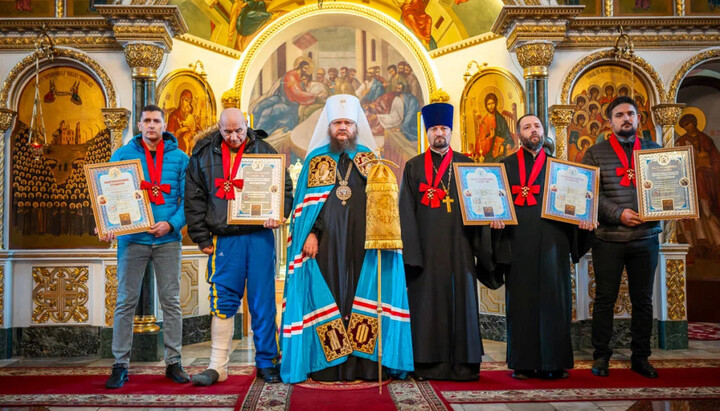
(624, 240)
(537, 285)
(165, 165)
(241, 252)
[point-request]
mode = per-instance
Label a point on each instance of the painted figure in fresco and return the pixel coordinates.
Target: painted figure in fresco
(703, 234)
(183, 122)
(333, 80)
(609, 95)
(493, 138)
(393, 78)
(353, 80)
(23, 5)
(403, 113)
(411, 80)
(247, 17)
(413, 16)
(642, 4)
(376, 89)
(279, 109)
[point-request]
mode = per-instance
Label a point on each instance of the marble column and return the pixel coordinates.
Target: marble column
(144, 60)
(535, 59)
(6, 120)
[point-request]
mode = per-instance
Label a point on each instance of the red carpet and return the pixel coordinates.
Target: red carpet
(147, 387)
(704, 331)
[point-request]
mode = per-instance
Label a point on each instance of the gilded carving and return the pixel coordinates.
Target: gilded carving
(2, 295)
(359, 10)
(622, 305)
(116, 120)
(189, 287)
(573, 285)
(675, 282)
(111, 285)
(472, 41)
(667, 115)
(534, 31)
(60, 294)
(59, 12)
(143, 15)
(209, 45)
(334, 339)
(560, 118)
(535, 58)
(6, 119)
(157, 33)
(86, 42)
(492, 301)
(679, 7)
(363, 332)
(60, 53)
(144, 59)
(608, 8)
(581, 39)
(608, 56)
(230, 99)
(685, 68)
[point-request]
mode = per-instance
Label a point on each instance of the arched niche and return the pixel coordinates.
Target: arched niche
(333, 14)
(688, 65)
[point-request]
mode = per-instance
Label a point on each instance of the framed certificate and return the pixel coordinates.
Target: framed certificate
(571, 192)
(484, 193)
(666, 187)
(119, 205)
(263, 192)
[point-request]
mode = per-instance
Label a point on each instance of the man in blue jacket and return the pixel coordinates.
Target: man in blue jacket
(164, 169)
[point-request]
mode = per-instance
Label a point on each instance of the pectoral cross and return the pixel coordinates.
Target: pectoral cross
(448, 203)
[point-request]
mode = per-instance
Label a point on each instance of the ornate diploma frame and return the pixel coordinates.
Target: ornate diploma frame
(483, 190)
(666, 186)
(119, 205)
(263, 192)
(571, 192)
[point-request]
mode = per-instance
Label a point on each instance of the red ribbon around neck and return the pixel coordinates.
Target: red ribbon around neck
(154, 187)
(226, 186)
(626, 171)
(526, 190)
(432, 194)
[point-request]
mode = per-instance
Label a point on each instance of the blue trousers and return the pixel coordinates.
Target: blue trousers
(241, 259)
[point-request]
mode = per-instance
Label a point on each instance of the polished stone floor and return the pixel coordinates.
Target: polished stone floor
(243, 351)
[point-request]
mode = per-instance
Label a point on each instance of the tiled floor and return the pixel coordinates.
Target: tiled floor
(243, 351)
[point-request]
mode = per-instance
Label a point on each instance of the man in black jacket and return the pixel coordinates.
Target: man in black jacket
(623, 240)
(238, 253)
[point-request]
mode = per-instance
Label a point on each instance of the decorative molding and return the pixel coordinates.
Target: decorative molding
(608, 57)
(360, 10)
(144, 59)
(608, 8)
(695, 60)
(116, 120)
(679, 7)
(60, 53)
(472, 41)
(111, 286)
(59, 12)
(535, 58)
(189, 301)
(675, 282)
(560, 118)
(510, 15)
(82, 33)
(536, 31)
(151, 33)
(145, 15)
(60, 294)
(209, 45)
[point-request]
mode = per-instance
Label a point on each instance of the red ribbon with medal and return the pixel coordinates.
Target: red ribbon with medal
(526, 190)
(226, 186)
(432, 194)
(626, 171)
(154, 187)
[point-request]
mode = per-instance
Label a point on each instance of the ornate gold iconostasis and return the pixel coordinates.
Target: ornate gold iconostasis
(278, 62)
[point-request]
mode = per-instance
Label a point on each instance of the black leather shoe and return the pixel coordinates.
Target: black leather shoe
(269, 374)
(601, 367)
(118, 378)
(644, 368)
(553, 375)
(176, 373)
(205, 378)
(523, 374)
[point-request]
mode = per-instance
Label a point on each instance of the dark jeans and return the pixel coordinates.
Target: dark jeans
(640, 257)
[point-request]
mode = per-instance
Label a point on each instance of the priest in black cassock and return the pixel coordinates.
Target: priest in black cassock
(537, 286)
(440, 258)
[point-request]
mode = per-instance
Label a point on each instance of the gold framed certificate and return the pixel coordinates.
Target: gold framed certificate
(119, 205)
(484, 193)
(263, 192)
(571, 192)
(666, 186)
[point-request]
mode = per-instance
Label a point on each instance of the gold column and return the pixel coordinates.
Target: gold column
(608, 8)
(116, 119)
(535, 59)
(667, 115)
(560, 118)
(6, 120)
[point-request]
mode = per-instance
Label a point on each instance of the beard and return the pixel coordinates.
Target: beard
(530, 144)
(440, 143)
(338, 146)
(626, 134)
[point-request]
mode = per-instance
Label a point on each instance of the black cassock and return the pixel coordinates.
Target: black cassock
(439, 253)
(537, 286)
(341, 249)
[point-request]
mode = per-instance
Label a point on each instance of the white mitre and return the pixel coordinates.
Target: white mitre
(342, 106)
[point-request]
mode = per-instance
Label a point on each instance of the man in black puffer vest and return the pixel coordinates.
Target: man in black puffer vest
(623, 240)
